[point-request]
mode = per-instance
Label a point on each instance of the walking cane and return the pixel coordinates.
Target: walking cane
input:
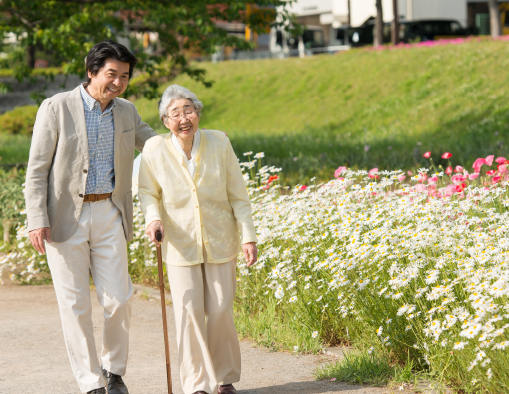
(159, 237)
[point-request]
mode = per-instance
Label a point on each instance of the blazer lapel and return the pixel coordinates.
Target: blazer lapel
(117, 120)
(77, 111)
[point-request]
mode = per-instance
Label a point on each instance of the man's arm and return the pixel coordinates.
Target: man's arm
(142, 133)
(42, 149)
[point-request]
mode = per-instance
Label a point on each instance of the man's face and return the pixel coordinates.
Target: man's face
(110, 81)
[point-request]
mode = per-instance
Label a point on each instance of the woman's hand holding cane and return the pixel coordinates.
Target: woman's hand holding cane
(152, 229)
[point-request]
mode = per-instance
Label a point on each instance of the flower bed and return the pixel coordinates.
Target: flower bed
(417, 270)
(420, 271)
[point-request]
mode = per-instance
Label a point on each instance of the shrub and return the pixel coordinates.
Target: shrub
(19, 121)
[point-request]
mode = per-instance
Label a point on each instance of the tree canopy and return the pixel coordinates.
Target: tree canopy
(69, 28)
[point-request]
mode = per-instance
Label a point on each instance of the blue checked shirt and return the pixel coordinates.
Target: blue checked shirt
(101, 138)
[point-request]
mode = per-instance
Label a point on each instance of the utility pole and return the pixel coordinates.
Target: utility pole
(349, 23)
(495, 26)
(379, 24)
(349, 12)
(395, 23)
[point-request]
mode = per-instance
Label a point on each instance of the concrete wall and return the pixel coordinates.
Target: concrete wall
(439, 9)
(361, 10)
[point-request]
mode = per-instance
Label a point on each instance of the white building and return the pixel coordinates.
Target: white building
(334, 13)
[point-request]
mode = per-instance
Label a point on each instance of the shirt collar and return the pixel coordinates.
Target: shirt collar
(91, 102)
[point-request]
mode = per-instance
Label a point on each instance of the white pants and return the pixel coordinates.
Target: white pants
(98, 245)
(209, 354)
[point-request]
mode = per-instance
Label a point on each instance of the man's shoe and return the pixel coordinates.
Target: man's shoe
(115, 383)
(226, 389)
(102, 390)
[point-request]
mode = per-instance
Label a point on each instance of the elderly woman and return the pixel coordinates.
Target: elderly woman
(192, 190)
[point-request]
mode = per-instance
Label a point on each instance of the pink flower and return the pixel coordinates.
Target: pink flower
(458, 169)
(500, 160)
(478, 164)
(460, 187)
(373, 173)
(427, 155)
(473, 176)
(266, 187)
(489, 160)
(448, 191)
(458, 178)
(496, 179)
(409, 173)
(433, 179)
(302, 188)
(502, 168)
(446, 155)
(333, 380)
(339, 171)
(401, 177)
(448, 170)
(422, 177)
(491, 172)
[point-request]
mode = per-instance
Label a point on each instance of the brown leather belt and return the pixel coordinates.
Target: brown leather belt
(96, 197)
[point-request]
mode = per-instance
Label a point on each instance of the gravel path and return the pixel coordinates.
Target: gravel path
(33, 358)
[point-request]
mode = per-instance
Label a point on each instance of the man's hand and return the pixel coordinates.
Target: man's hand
(152, 229)
(37, 238)
(250, 253)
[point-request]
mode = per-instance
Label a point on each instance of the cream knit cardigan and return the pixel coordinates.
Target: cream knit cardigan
(206, 211)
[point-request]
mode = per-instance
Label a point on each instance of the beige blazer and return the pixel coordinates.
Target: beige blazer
(58, 163)
(207, 210)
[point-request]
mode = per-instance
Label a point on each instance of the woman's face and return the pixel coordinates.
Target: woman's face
(182, 119)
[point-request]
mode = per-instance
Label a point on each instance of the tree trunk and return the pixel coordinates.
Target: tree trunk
(495, 26)
(7, 231)
(379, 24)
(31, 55)
(395, 23)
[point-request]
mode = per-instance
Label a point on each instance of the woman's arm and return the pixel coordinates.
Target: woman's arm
(149, 192)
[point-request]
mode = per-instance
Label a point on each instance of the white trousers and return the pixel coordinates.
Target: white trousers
(98, 245)
(209, 353)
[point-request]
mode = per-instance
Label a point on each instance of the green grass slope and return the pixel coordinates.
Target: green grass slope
(311, 115)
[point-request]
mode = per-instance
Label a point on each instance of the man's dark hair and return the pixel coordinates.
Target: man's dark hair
(105, 50)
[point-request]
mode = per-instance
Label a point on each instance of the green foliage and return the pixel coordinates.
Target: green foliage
(69, 29)
(360, 368)
(267, 326)
(12, 200)
(18, 121)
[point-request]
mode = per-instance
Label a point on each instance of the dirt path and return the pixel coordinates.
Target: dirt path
(33, 358)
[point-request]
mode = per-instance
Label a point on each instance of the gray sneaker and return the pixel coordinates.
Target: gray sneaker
(115, 383)
(102, 390)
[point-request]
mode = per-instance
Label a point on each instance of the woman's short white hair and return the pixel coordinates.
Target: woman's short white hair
(175, 92)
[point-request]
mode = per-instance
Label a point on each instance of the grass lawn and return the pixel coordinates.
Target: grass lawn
(361, 108)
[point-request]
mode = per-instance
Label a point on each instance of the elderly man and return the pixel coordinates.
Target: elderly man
(79, 207)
